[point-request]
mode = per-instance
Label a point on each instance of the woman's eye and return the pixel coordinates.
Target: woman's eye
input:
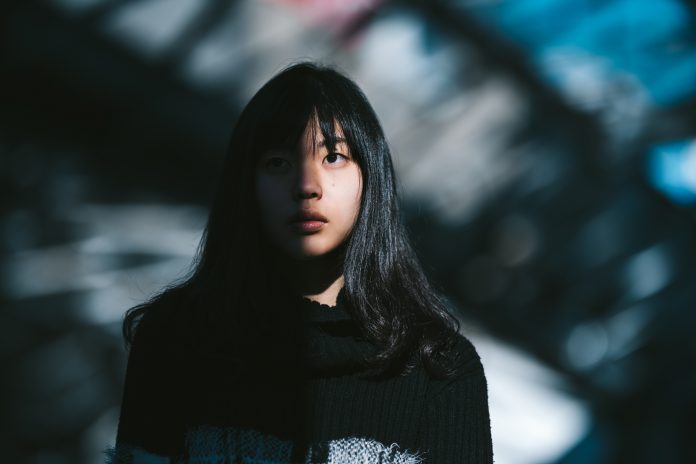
(335, 158)
(276, 164)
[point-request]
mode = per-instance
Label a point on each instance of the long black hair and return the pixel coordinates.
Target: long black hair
(396, 307)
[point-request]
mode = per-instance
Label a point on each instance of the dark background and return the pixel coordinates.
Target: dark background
(547, 156)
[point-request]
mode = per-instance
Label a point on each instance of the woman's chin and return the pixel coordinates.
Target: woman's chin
(307, 253)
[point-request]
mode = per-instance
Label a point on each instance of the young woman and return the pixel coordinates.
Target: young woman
(306, 331)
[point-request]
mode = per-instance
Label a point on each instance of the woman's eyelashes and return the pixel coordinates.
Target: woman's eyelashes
(280, 164)
(276, 165)
(336, 158)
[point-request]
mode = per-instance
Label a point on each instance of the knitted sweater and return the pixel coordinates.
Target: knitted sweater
(295, 400)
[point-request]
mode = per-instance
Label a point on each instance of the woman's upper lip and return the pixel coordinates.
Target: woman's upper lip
(307, 216)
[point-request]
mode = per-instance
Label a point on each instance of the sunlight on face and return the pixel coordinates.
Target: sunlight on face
(309, 199)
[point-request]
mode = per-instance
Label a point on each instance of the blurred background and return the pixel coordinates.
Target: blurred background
(547, 156)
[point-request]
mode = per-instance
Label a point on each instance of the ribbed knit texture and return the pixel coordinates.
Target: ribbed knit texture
(300, 396)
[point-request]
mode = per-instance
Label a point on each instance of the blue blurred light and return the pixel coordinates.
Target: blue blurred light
(672, 170)
(653, 41)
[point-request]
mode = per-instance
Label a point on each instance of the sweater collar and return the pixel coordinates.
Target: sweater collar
(314, 312)
(333, 344)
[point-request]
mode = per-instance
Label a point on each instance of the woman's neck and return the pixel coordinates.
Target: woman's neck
(319, 279)
(326, 296)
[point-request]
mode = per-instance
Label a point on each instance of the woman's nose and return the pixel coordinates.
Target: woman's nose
(308, 184)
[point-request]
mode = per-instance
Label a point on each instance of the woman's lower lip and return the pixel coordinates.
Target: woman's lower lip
(307, 226)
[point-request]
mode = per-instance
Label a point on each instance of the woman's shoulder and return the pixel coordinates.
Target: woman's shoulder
(462, 359)
(467, 358)
(467, 371)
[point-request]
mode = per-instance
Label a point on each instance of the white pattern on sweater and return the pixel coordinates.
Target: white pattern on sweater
(214, 445)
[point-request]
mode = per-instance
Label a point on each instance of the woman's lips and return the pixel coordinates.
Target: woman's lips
(307, 221)
(308, 226)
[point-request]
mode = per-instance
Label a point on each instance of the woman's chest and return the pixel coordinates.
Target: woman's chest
(281, 411)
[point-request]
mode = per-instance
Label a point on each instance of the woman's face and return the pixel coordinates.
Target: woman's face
(309, 197)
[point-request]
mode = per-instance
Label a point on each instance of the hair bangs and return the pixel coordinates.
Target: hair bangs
(282, 125)
(284, 109)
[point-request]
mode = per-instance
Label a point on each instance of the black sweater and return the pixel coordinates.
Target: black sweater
(297, 399)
